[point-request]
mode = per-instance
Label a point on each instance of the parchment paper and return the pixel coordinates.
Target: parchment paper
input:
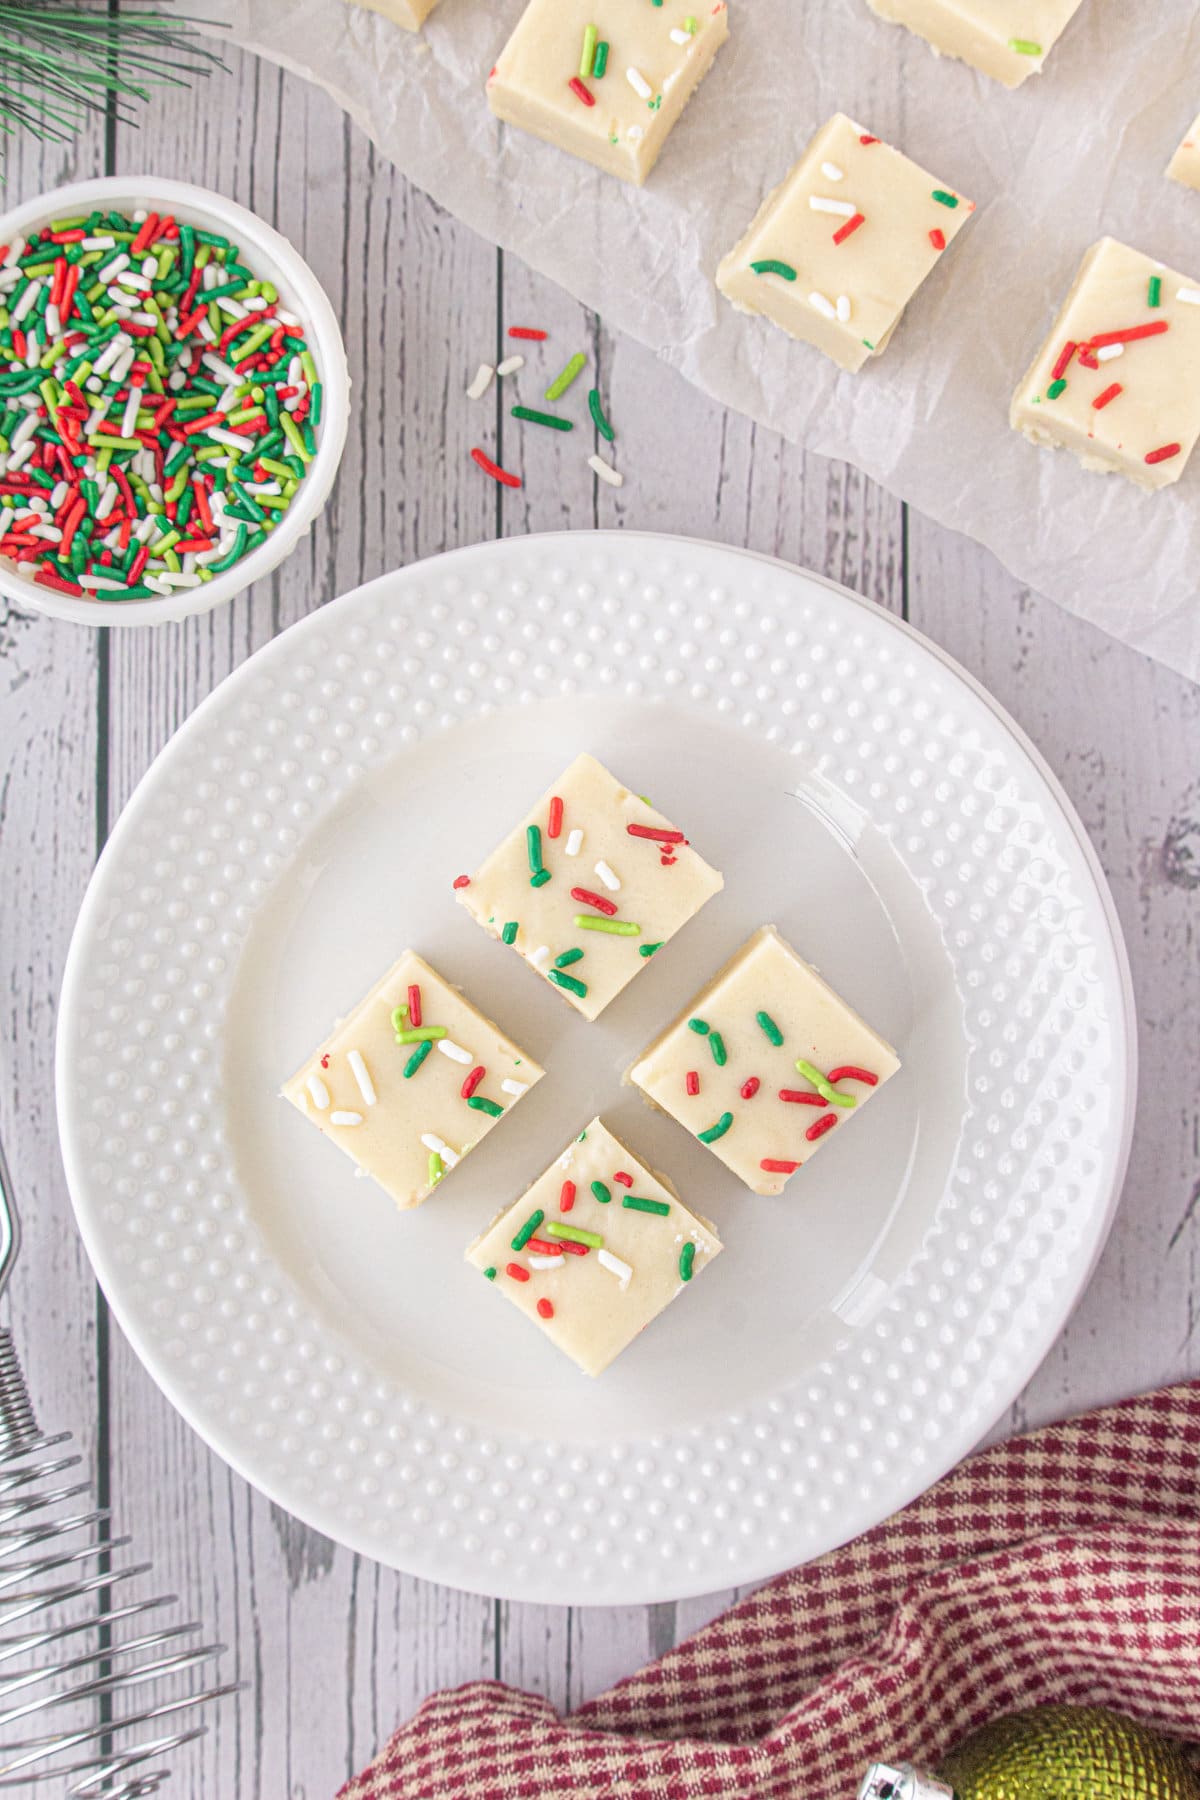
(1079, 151)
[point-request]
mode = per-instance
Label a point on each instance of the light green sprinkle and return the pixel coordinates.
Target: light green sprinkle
(436, 1168)
(603, 1194)
(1023, 47)
(823, 1086)
(572, 372)
(691, 24)
(509, 934)
(417, 1058)
(661, 1207)
(420, 1034)
(615, 927)
(768, 1025)
(528, 1228)
(574, 1235)
(716, 1131)
(687, 1257)
(587, 56)
(567, 981)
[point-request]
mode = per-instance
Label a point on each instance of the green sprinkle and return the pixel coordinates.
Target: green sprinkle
(542, 418)
(770, 1027)
(687, 1257)
(540, 879)
(567, 958)
(601, 62)
(691, 24)
(700, 1026)
(490, 1274)
(615, 927)
(1023, 47)
(1154, 291)
(417, 1058)
(421, 1034)
(661, 1207)
(533, 847)
(716, 1131)
(573, 1234)
(602, 1193)
(528, 1228)
(716, 1044)
(566, 981)
(823, 1086)
(485, 1106)
(572, 372)
(770, 265)
(436, 1168)
(648, 949)
(509, 934)
(598, 419)
(945, 199)
(587, 56)
(1055, 389)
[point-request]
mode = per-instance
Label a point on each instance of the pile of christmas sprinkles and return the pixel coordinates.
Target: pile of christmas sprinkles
(159, 407)
(566, 378)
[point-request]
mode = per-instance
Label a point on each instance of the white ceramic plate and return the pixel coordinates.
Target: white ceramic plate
(860, 1333)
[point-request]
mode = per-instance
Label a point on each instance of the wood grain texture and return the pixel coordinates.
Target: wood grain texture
(335, 1650)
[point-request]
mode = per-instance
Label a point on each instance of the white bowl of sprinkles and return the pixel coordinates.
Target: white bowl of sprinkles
(233, 531)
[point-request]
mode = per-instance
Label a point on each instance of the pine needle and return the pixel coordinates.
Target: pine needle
(61, 60)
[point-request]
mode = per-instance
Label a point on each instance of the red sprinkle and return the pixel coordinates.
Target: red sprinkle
(1064, 357)
(324, 1062)
(545, 1309)
(1088, 358)
(1164, 453)
(477, 456)
(472, 1082)
(937, 238)
(692, 1082)
(866, 138)
(851, 225)
(566, 1199)
(1109, 394)
(543, 1247)
(585, 897)
(751, 1087)
(580, 92)
(624, 1179)
(574, 1249)
(517, 1272)
(799, 1099)
(527, 331)
(1131, 334)
(849, 1072)
(554, 819)
(461, 881)
(820, 1126)
(414, 1006)
(653, 831)
(774, 1166)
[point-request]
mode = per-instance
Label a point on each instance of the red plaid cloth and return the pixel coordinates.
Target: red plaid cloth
(1064, 1566)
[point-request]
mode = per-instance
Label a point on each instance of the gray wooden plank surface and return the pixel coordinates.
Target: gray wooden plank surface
(337, 1650)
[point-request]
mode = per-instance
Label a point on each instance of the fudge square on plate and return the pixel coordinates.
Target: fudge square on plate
(409, 13)
(1184, 166)
(411, 1080)
(1008, 39)
(606, 79)
(764, 1063)
(840, 247)
(595, 1249)
(589, 885)
(1118, 380)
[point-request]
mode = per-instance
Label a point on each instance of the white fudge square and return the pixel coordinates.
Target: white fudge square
(1007, 39)
(608, 81)
(589, 886)
(840, 247)
(411, 1080)
(412, 14)
(1117, 382)
(764, 1063)
(1184, 166)
(595, 1249)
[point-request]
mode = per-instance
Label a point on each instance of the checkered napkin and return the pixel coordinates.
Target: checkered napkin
(1064, 1566)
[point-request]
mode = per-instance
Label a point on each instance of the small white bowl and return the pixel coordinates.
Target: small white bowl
(272, 259)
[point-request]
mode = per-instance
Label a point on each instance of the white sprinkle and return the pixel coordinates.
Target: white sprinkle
(345, 1118)
(636, 133)
(615, 1266)
(132, 407)
(432, 1142)
(17, 249)
(514, 1087)
(222, 370)
(178, 578)
(541, 956)
(831, 172)
(639, 84)
(113, 268)
(1189, 295)
(1108, 351)
(574, 843)
(226, 437)
(482, 382)
(51, 533)
(680, 37)
(25, 302)
(845, 209)
(510, 365)
(362, 1075)
(98, 243)
(547, 1262)
(53, 321)
(454, 1051)
(607, 877)
(98, 581)
(606, 472)
(843, 307)
(825, 307)
(319, 1092)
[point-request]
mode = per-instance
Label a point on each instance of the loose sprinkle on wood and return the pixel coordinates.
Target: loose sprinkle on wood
(605, 471)
(482, 382)
(528, 331)
(503, 476)
(510, 365)
(569, 374)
